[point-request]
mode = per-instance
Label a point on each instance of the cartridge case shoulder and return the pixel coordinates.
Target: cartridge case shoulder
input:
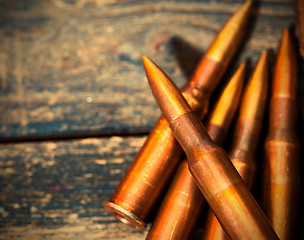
(206, 75)
(191, 134)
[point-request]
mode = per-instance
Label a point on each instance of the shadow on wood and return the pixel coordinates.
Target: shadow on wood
(187, 55)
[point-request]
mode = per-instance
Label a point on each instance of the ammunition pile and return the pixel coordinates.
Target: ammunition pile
(209, 175)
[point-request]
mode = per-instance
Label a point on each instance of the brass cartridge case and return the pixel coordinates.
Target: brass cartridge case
(281, 168)
(180, 208)
(182, 205)
(245, 137)
(211, 168)
(135, 197)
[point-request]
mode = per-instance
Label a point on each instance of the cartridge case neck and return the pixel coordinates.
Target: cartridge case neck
(246, 134)
(216, 133)
(198, 100)
(207, 75)
(203, 82)
(191, 135)
(283, 114)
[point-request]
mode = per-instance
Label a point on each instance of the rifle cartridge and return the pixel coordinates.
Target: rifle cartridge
(245, 137)
(135, 197)
(211, 168)
(182, 205)
(281, 166)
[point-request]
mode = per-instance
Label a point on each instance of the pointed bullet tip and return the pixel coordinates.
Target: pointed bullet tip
(232, 32)
(242, 66)
(245, 9)
(263, 57)
(228, 102)
(285, 77)
(239, 75)
(167, 95)
(145, 60)
(248, 4)
(286, 42)
(255, 96)
(286, 31)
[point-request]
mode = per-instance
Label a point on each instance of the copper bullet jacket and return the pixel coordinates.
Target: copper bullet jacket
(182, 205)
(198, 91)
(211, 168)
(246, 136)
(228, 40)
(136, 195)
(134, 200)
(281, 169)
(220, 183)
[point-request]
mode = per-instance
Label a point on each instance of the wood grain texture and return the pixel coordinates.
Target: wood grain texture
(75, 66)
(55, 190)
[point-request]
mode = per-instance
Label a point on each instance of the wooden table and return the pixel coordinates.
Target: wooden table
(76, 107)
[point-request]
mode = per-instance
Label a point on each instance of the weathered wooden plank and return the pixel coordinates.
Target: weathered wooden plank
(55, 190)
(74, 66)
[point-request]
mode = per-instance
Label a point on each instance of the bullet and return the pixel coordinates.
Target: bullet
(182, 205)
(245, 137)
(211, 168)
(300, 24)
(135, 198)
(281, 166)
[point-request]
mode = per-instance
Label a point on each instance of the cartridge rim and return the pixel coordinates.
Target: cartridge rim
(124, 215)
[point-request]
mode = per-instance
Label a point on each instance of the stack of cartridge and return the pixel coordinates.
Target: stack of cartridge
(208, 176)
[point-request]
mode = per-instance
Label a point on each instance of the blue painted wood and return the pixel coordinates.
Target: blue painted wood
(74, 67)
(55, 190)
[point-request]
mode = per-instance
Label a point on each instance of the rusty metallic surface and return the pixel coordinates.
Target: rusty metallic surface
(134, 199)
(246, 136)
(281, 185)
(300, 24)
(211, 168)
(182, 205)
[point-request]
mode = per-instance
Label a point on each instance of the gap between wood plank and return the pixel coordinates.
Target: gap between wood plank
(73, 136)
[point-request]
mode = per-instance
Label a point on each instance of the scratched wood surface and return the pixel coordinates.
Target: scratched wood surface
(55, 190)
(74, 67)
